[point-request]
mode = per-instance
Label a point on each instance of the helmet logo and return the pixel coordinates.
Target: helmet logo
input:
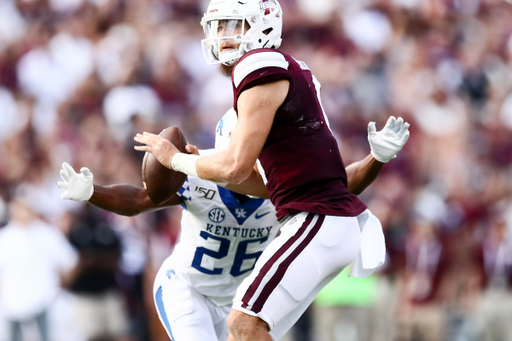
(267, 6)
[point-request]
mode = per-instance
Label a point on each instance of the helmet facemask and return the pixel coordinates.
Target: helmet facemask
(223, 38)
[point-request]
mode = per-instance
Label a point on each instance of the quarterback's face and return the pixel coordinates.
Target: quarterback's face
(230, 29)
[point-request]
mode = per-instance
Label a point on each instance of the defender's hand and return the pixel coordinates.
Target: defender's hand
(385, 144)
(76, 186)
(161, 148)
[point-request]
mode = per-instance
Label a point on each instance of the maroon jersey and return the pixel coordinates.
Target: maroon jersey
(300, 157)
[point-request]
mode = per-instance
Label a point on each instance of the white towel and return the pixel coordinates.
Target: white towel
(373, 246)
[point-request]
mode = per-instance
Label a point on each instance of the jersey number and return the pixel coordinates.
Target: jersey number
(240, 256)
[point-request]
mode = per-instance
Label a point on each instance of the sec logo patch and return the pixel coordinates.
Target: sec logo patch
(216, 215)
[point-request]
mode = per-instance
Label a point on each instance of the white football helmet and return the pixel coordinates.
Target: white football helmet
(224, 129)
(226, 21)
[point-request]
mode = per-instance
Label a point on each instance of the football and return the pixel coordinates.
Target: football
(160, 182)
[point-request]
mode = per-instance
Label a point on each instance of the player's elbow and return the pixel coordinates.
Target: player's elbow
(237, 173)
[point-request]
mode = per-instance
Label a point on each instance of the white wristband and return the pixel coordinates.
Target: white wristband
(185, 163)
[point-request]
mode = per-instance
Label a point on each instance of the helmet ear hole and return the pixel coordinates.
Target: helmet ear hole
(267, 31)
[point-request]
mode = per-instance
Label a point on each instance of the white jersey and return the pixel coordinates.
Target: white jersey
(222, 236)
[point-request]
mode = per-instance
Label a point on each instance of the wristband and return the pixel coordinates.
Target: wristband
(185, 163)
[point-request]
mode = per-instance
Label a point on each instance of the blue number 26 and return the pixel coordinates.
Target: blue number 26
(240, 255)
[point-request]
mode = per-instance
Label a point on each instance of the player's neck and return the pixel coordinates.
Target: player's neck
(226, 70)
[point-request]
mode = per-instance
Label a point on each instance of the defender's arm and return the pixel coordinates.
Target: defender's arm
(122, 199)
(127, 200)
(384, 145)
(361, 174)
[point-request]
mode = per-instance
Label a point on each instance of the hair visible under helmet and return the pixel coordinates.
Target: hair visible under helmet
(224, 129)
(265, 21)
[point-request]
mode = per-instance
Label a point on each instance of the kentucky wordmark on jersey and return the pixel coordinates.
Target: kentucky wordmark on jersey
(222, 235)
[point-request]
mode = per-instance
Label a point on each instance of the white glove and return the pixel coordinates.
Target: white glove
(76, 186)
(385, 144)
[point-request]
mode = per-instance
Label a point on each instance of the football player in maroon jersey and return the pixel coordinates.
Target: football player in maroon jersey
(281, 122)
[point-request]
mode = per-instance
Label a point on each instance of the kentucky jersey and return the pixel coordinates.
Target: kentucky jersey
(300, 157)
(222, 236)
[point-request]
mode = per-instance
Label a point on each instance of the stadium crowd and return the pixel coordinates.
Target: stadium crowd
(78, 79)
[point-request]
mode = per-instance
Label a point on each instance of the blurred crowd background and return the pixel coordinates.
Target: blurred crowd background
(79, 78)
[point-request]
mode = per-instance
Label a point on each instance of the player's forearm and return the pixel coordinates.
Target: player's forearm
(122, 199)
(362, 173)
(223, 167)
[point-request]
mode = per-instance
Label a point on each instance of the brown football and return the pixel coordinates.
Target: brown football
(160, 182)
